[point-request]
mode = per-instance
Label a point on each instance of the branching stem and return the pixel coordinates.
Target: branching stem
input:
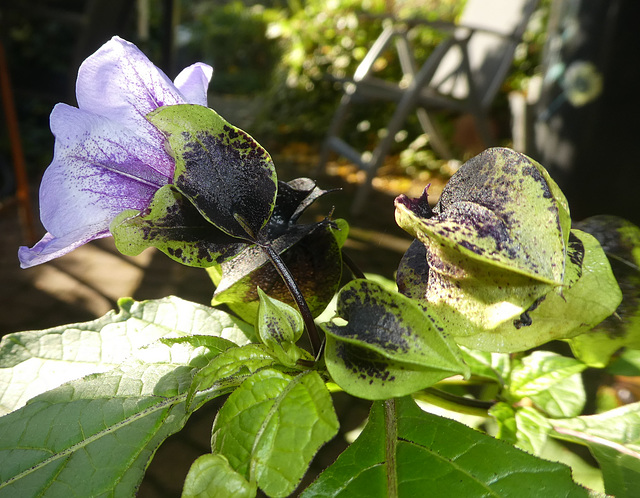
(455, 403)
(303, 307)
(391, 433)
(357, 272)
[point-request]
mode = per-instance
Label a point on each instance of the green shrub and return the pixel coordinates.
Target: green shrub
(324, 43)
(232, 38)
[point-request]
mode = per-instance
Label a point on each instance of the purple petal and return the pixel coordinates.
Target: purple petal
(120, 82)
(193, 82)
(51, 247)
(99, 169)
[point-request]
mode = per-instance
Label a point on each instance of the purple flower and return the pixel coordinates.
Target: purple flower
(107, 156)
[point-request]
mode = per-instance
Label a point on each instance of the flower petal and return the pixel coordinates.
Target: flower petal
(51, 247)
(119, 82)
(99, 169)
(193, 82)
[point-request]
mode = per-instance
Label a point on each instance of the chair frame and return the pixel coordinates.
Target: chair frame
(417, 95)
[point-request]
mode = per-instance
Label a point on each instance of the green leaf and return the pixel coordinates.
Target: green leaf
(36, 361)
(279, 327)
(614, 439)
(505, 416)
(390, 345)
(496, 366)
(438, 456)
(271, 427)
(211, 475)
(589, 294)
(627, 364)
(533, 430)
(173, 225)
(231, 363)
(96, 435)
(540, 372)
(620, 240)
(565, 399)
(224, 172)
(524, 427)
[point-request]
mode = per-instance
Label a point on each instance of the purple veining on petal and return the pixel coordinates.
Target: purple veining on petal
(133, 168)
(108, 158)
(101, 140)
(119, 82)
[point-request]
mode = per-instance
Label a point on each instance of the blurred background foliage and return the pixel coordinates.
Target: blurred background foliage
(289, 56)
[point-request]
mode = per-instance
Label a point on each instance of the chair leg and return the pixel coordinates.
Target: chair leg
(406, 104)
(475, 106)
(335, 127)
(435, 137)
(409, 67)
(362, 71)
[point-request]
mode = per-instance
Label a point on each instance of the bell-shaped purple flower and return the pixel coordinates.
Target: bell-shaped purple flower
(107, 156)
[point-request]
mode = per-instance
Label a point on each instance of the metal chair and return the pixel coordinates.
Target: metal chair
(463, 74)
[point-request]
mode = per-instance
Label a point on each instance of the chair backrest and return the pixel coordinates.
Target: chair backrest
(500, 25)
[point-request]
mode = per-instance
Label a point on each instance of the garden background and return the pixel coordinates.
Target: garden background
(275, 70)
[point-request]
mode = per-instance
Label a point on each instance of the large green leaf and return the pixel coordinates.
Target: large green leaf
(390, 345)
(614, 439)
(271, 427)
(34, 362)
(620, 240)
(224, 172)
(407, 452)
(96, 435)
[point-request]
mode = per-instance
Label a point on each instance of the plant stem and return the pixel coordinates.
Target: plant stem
(357, 272)
(303, 307)
(391, 434)
(455, 403)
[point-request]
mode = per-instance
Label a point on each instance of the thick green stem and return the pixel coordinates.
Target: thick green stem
(391, 431)
(455, 403)
(303, 307)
